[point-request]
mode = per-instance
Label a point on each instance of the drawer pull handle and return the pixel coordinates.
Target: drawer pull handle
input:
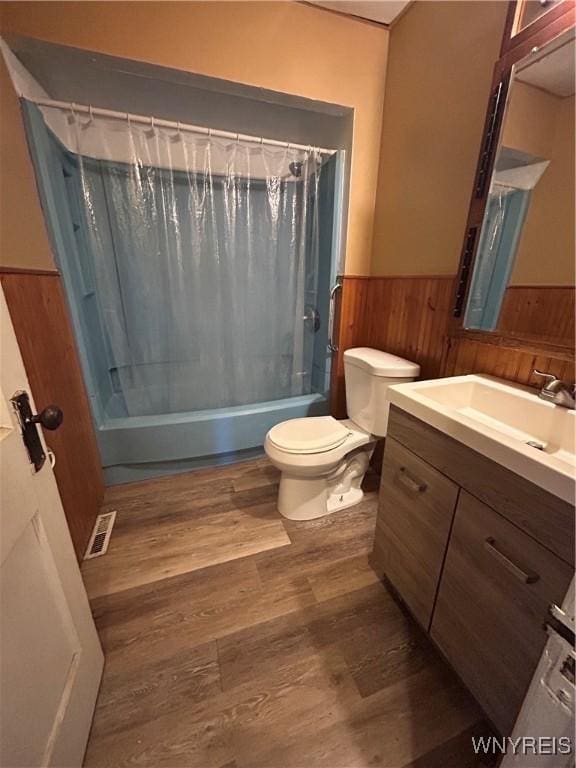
(414, 485)
(526, 577)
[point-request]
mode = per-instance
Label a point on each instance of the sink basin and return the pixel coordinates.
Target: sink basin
(506, 422)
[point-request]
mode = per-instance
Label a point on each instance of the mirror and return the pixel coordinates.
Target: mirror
(530, 10)
(524, 273)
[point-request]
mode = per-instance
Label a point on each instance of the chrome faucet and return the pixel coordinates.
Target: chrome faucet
(556, 391)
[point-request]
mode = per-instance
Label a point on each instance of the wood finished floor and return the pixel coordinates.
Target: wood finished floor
(237, 639)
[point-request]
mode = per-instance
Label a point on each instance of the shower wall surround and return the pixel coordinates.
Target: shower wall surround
(198, 272)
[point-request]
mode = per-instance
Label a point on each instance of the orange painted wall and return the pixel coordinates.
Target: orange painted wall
(283, 46)
(440, 65)
(23, 237)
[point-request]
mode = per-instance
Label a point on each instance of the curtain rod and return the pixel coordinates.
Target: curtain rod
(152, 121)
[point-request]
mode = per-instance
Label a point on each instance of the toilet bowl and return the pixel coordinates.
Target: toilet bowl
(323, 460)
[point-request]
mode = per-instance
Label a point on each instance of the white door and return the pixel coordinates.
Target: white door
(50, 656)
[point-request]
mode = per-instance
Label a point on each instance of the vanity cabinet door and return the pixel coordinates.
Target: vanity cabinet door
(415, 511)
(496, 587)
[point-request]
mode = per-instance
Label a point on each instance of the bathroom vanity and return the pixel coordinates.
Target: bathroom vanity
(475, 527)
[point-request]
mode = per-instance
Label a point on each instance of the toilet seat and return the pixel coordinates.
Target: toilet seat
(316, 434)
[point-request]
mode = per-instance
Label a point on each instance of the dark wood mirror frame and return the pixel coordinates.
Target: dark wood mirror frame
(558, 19)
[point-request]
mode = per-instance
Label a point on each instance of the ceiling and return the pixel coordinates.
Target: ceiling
(554, 72)
(382, 11)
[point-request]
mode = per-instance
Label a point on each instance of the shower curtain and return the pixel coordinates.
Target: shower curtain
(501, 229)
(203, 256)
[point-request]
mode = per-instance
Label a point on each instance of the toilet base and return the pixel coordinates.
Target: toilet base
(307, 498)
(337, 501)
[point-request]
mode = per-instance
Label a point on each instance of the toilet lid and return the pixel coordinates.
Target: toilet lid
(315, 434)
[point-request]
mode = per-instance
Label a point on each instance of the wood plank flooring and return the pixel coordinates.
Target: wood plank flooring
(237, 639)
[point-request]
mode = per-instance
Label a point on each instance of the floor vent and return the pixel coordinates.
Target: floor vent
(98, 543)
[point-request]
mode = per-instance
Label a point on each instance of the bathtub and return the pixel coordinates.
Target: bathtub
(142, 447)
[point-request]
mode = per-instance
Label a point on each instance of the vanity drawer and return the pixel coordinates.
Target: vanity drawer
(415, 511)
(492, 603)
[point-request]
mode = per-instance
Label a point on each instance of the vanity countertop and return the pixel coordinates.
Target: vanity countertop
(506, 422)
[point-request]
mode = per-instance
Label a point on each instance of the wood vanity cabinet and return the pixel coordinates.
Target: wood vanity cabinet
(493, 599)
(477, 554)
(416, 508)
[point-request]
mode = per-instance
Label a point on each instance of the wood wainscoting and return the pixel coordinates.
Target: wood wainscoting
(410, 316)
(407, 316)
(545, 311)
(473, 356)
(40, 316)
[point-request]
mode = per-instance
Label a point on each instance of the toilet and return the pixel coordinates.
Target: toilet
(323, 460)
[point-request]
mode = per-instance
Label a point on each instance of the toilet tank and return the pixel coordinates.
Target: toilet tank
(368, 374)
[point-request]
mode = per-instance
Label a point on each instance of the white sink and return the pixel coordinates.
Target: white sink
(499, 420)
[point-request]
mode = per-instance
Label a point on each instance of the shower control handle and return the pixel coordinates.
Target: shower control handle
(312, 315)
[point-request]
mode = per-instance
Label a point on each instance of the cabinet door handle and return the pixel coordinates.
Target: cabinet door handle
(526, 577)
(412, 483)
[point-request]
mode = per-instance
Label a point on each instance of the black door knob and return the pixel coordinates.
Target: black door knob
(50, 418)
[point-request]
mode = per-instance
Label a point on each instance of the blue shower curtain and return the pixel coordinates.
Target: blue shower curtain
(202, 256)
(499, 239)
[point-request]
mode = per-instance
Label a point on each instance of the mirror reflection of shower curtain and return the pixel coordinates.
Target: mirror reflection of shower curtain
(203, 252)
(503, 221)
